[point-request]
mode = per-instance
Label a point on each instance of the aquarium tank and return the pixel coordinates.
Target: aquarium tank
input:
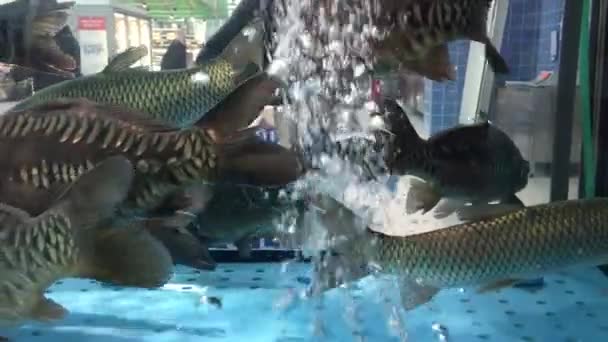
(303, 170)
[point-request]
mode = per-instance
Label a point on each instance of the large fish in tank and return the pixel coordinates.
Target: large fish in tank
(60, 242)
(477, 163)
(495, 247)
(177, 97)
(49, 147)
(415, 34)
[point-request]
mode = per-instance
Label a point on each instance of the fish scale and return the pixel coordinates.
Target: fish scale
(79, 140)
(416, 34)
(523, 243)
(175, 96)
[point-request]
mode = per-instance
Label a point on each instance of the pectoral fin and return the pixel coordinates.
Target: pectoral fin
(513, 199)
(413, 295)
(184, 247)
(48, 310)
(421, 196)
(447, 208)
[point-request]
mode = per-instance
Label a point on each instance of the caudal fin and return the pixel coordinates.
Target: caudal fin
(244, 17)
(246, 45)
(479, 34)
(95, 195)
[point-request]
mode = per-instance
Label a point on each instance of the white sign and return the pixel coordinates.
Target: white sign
(93, 40)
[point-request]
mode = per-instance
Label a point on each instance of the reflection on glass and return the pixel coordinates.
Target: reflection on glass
(145, 39)
(134, 39)
(120, 29)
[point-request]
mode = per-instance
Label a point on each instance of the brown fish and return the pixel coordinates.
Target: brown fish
(48, 147)
(62, 242)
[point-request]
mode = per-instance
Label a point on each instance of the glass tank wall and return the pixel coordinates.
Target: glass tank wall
(339, 170)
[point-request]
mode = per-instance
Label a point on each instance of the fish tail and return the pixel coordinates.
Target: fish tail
(479, 34)
(248, 159)
(116, 254)
(496, 61)
(229, 39)
(184, 247)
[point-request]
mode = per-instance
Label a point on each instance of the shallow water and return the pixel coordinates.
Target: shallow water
(258, 304)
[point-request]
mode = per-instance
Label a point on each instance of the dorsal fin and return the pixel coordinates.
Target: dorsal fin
(126, 59)
(90, 108)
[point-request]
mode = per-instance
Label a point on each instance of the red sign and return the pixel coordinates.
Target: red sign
(92, 23)
(376, 90)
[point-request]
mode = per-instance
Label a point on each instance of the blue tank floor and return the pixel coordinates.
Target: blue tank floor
(256, 307)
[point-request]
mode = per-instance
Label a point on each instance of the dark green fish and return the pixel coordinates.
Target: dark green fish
(477, 163)
(61, 242)
(177, 97)
(27, 35)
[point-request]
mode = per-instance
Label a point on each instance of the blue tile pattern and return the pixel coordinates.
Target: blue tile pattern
(527, 40)
(442, 100)
(526, 48)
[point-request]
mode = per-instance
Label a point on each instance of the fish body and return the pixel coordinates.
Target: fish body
(518, 244)
(236, 214)
(474, 163)
(36, 251)
(47, 148)
(414, 34)
(50, 147)
(179, 97)
(495, 246)
(27, 35)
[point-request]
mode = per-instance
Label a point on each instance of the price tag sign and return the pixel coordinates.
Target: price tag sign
(93, 40)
